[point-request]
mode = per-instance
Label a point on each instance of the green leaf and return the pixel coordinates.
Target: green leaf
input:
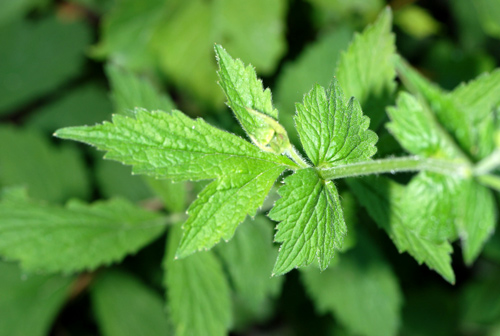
(252, 30)
(73, 238)
(312, 225)
(29, 66)
(362, 293)
(124, 306)
(366, 70)
(478, 219)
(29, 305)
(251, 104)
(129, 20)
(49, 173)
(382, 198)
(198, 293)
(87, 104)
(477, 99)
(249, 258)
(171, 145)
(130, 91)
(333, 131)
(14, 10)
(418, 131)
(453, 207)
(315, 64)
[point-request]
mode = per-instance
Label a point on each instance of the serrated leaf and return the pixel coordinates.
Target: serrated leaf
(223, 205)
(49, 173)
(251, 104)
(171, 145)
(382, 198)
(124, 306)
(315, 64)
(73, 238)
(333, 131)
(249, 258)
(28, 64)
(477, 219)
(198, 293)
(312, 225)
(29, 304)
(130, 91)
(362, 294)
(366, 70)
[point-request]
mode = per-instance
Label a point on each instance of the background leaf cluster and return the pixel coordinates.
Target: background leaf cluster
(70, 63)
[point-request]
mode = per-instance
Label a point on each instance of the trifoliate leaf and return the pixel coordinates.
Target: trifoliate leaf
(130, 91)
(49, 173)
(29, 304)
(124, 306)
(312, 225)
(360, 291)
(333, 131)
(251, 104)
(73, 238)
(382, 198)
(366, 70)
(249, 258)
(198, 294)
(171, 145)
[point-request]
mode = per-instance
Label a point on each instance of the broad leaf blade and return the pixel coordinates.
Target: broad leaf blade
(50, 173)
(366, 70)
(312, 225)
(224, 204)
(171, 145)
(332, 130)
(362, 295)
(382, 198)
(197, 291)
(29, 305)
(130, 91)
(125, 307)
(73, 238)
(249, 258)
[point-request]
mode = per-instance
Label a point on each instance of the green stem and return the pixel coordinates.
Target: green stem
(292, 153)
(393, 165)
(488, 164)
(490, 180)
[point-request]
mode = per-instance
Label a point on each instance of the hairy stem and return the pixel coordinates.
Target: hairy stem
(393, 165)
(490, 180)
(292, 153)
(488, 164)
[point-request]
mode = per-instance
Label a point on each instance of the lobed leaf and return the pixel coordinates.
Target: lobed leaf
(73, 238)
(333, 131)
(312, 225)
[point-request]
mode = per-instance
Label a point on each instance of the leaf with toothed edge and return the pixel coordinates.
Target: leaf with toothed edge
(312, 224)
(172, 145)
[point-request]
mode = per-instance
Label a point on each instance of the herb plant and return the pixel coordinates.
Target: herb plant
(223, 266)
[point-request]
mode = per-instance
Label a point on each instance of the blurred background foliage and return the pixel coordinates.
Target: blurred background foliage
(76, 62)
